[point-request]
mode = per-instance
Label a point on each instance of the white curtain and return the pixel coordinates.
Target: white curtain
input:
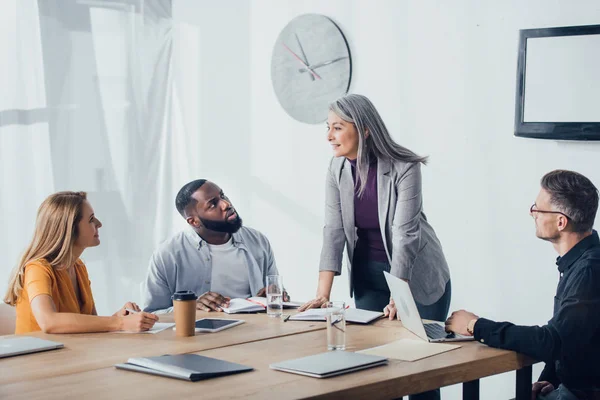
(26, 170)
(88, 105)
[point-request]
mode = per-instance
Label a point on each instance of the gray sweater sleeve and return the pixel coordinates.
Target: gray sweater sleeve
(157, 293)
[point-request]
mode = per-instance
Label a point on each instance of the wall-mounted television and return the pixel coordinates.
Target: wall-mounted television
(558, 83)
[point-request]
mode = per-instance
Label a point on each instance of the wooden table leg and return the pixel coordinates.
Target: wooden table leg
(524, 383)
(471, 390)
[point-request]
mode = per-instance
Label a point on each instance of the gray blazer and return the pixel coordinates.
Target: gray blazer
(413, 250)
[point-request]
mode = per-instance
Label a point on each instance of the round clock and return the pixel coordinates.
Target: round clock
(310, 67)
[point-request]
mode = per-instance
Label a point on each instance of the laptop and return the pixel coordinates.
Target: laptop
(17, 345)
(409, 314)
(331, 363)
(190, 367)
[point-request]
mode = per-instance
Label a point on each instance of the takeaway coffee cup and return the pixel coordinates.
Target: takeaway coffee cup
(184, 306)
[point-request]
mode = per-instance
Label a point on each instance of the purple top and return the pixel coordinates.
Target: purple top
(366, 218)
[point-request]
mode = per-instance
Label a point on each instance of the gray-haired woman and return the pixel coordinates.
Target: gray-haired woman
(374, 207)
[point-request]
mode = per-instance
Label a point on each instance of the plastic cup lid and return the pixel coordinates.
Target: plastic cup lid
(184, 295)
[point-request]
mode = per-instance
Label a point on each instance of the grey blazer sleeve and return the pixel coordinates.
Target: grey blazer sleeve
(406, 226)
(157, 295)
(333, 231)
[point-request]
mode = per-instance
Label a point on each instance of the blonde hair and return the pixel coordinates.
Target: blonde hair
(53, 238)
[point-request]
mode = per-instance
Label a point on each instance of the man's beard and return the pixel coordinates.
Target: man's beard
(222, 226)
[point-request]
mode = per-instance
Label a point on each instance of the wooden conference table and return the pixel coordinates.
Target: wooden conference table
(84, 368)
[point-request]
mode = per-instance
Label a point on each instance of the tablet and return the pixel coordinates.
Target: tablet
(216, 324)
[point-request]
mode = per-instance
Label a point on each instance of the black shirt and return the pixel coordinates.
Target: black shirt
(570, 342)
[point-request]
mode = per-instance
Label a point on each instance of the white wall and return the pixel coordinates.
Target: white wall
(212, 84)
(443, 75)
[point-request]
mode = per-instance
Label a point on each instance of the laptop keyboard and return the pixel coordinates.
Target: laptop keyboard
(436, 331)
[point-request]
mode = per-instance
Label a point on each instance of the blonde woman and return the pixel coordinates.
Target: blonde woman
(50, 286)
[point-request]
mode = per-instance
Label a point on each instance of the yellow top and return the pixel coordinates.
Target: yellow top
(41, 278)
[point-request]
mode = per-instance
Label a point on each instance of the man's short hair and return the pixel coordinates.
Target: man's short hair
(574, 195)
(184, 196)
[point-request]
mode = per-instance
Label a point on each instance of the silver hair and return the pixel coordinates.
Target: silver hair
(358, 110)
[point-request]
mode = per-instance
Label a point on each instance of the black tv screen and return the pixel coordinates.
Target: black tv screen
(558, 83)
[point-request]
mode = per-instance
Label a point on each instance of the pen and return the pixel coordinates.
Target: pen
(286, 317)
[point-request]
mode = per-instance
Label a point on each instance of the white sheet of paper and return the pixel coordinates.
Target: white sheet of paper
(409, 350)
(158, 327)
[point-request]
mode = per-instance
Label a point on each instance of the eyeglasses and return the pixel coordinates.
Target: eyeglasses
(533, 210)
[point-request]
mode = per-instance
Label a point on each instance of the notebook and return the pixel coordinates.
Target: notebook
(190, 367)
(241, 306)
(355, 315)
(331, 363)
(254, 304)
(286, 304)
(17, 345)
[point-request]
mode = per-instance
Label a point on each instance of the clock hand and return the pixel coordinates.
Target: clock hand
(302, 62)
(322, 64)
(312, 78)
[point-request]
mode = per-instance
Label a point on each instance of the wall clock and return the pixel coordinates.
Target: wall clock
(310, 67)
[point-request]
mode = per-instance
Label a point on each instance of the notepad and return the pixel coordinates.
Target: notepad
(241, 306)
(190, 367)
(409, 349)
(253, 304)
(355, 315)
(158, 327)
(286, 304)
(331, 363)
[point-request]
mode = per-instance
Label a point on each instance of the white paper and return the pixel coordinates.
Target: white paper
(409, 349)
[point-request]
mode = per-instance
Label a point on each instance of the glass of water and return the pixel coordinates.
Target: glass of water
(336, 325)
(274, 295)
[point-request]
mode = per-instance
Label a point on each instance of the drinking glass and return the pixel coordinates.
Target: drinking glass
(274, 295)
(336, 325)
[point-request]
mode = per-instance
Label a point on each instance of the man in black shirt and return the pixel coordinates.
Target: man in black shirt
(569, 344)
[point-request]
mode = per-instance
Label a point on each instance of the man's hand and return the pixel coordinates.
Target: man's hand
(211, 301)
(317, 302)
(390, 310)
(263, 293)
(542, 387)
(123, 312)
(458, 322)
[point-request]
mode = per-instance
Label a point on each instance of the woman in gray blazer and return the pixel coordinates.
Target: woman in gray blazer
(374, 208)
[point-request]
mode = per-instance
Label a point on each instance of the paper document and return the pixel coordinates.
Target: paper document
(158, 327)
(409, 349)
